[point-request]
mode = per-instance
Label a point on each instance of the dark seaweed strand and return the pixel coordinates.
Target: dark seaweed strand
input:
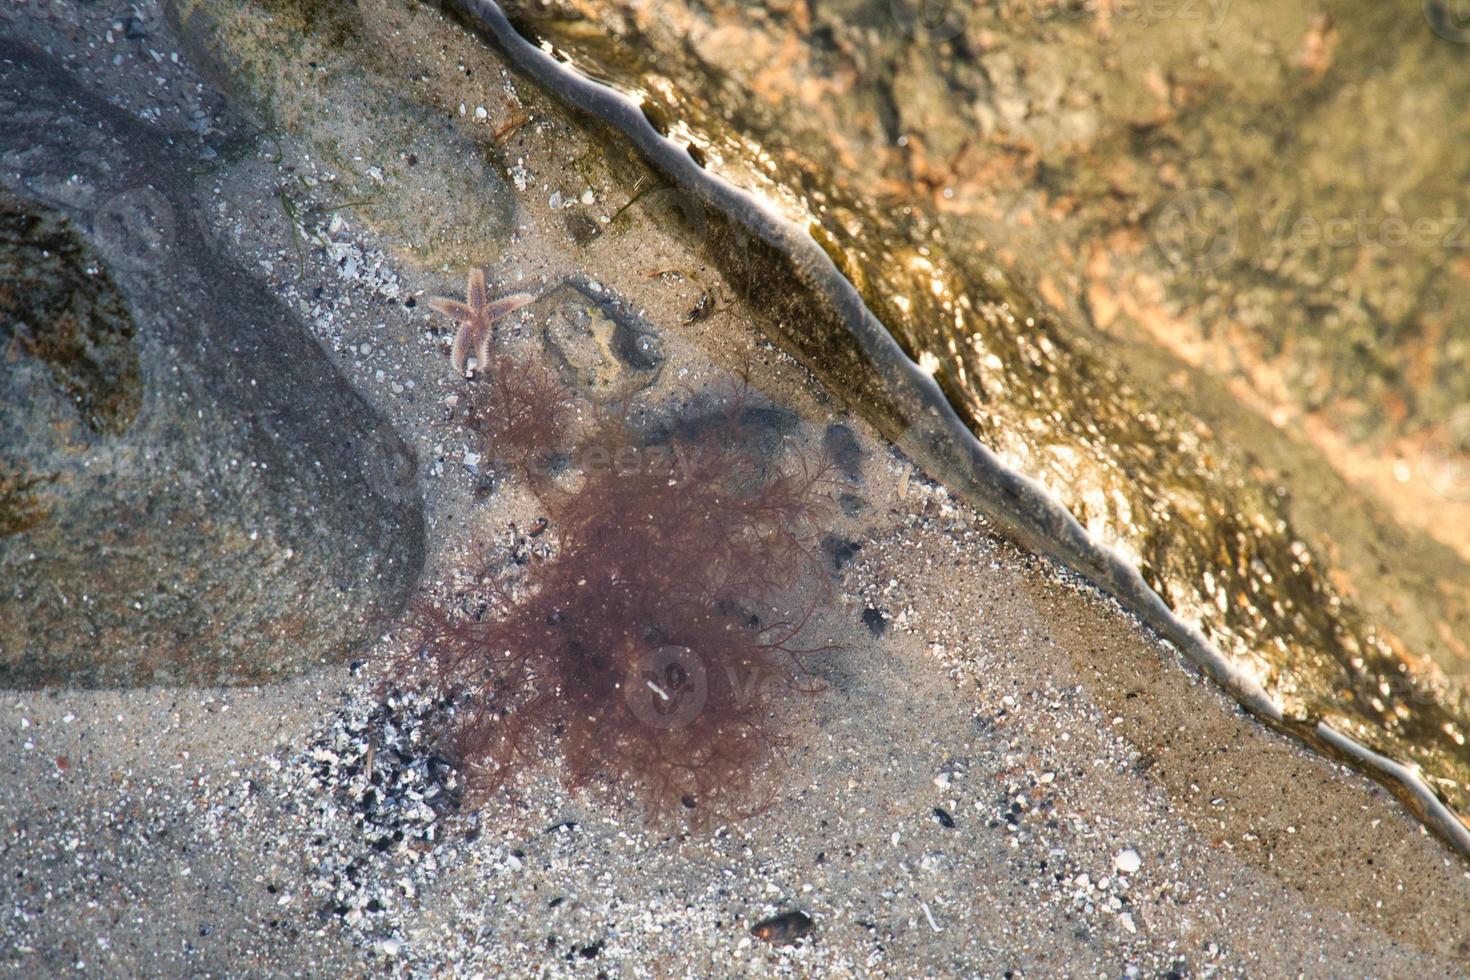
(923, 423)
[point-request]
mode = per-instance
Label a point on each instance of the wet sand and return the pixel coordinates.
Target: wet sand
(1004, 771)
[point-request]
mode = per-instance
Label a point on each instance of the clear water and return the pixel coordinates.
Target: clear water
(1343, 600)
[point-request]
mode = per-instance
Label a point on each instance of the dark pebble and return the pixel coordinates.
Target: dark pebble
(875, 620)
(783, 929)
(841, 550)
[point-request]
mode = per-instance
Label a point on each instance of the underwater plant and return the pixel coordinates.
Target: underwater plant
(678, 581)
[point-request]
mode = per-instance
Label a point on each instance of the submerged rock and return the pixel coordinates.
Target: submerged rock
(189, 492)
(605, 349)
(306, 68)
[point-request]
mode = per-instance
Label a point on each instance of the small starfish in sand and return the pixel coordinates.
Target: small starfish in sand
(476, 318)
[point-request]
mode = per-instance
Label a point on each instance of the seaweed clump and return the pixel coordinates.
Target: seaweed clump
(676, 586)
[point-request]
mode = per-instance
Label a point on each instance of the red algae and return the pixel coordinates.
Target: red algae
(672, 606)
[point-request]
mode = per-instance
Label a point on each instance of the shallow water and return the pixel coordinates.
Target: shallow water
(1330, 599)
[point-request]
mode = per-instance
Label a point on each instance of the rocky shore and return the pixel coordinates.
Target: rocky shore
(999, 772)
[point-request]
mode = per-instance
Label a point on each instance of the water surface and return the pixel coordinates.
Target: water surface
(1061, 217)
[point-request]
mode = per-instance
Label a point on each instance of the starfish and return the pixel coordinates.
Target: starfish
(476, 318)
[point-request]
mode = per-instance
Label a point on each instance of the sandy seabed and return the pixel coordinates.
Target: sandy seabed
(1003, 774)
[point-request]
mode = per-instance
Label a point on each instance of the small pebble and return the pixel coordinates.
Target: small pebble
(783, 929)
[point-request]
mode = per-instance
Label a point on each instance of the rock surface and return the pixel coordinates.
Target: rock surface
(189, 491)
